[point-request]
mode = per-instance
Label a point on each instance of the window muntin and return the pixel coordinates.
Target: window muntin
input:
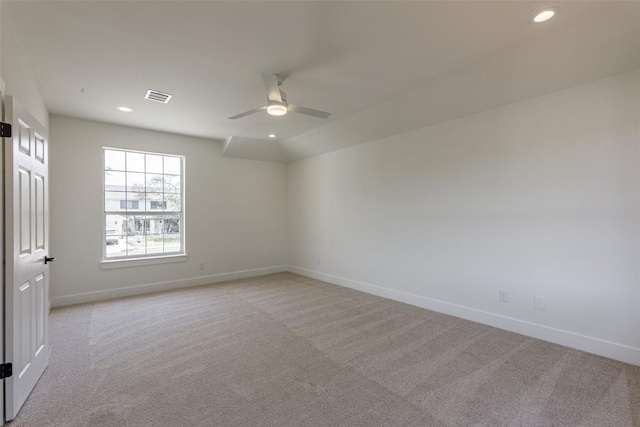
(143, 204)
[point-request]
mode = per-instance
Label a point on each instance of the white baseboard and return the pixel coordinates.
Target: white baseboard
(161, 286)
(558, 336)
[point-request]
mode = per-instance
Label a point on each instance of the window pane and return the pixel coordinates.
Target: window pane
(136, 182)
(128, 229)
(154, 183)
(112, 200)
(155, 244)
(135, 245)
(171, 224)
(116, 245)
(153, 199)
(114, 160)
(114, 181)
(172, 242)
(139, 224)
(135, 162)
(114, 238)
(171, 229)
(115, 223)
(154, 234)
(172, 165)
(172, 202)
(154, 224)
(154, 163)
(171, 184)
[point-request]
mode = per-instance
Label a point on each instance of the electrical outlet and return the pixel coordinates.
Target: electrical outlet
(538, 302)
(503, 296)
(202, 266)
(318, 262)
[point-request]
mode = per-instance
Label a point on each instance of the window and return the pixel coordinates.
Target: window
(143, 204)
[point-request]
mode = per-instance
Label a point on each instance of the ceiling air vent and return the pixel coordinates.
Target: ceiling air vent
(154, 95)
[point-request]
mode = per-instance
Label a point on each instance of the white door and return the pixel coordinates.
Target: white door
(27, 242)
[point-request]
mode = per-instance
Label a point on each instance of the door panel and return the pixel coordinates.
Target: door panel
(24, 210)
(23, 355)
(24, 137)
(27, 276)
(39, 148)
(39, 211)
(41, 307)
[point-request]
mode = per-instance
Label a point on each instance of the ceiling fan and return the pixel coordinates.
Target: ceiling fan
(277, 104)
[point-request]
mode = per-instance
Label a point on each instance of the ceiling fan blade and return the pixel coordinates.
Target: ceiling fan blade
(308, 111)
(246, 113)
(273, 90)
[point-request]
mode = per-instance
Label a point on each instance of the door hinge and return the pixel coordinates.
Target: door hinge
(6, 370)
(5, 130)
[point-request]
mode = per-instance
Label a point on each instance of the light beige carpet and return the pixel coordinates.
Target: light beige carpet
(285, 350)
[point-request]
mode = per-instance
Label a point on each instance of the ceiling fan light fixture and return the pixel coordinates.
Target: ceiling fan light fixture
(277, 104)
(276, 109)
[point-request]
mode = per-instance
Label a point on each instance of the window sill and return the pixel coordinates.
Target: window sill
(136, 262)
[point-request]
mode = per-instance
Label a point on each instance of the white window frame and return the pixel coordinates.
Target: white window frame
(146, 259)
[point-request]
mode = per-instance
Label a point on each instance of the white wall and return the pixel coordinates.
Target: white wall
(537, 198)
(16, 70)
(235, 213)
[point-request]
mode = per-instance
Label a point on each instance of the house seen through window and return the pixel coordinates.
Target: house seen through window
(129, 204)
(143, 204)
(158, 205)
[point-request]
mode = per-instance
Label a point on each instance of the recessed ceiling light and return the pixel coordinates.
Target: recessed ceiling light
(272, 135)
(125, 109)
(544, 15)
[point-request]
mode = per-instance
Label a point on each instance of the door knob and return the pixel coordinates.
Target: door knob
(48, 259)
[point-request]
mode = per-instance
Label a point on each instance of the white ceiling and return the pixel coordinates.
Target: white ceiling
(381, 68)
